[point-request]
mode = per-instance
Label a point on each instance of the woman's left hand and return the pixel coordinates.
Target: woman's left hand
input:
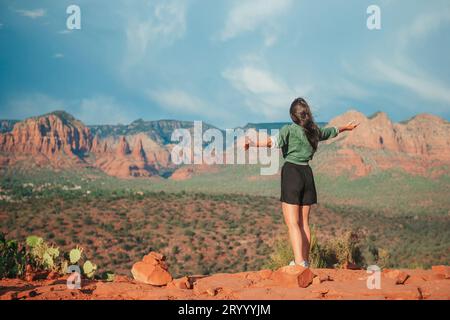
(247, 143)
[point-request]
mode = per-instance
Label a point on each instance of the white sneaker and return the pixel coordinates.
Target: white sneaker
(304, 264)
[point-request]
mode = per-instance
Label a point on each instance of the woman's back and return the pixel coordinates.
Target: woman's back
(295, 145)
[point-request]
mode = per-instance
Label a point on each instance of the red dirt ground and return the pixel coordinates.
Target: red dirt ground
(327, 284)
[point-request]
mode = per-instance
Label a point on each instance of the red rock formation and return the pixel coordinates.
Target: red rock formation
(123, 148)
(424, 135)
(152, 270)
(416, 145)
(53, 135)
(124, 163)
(97, 145)
(138, 151)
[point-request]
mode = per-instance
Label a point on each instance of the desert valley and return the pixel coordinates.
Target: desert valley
(113, 191)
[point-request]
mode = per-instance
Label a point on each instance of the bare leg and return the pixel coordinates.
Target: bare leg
(306, 232)
(291, 215)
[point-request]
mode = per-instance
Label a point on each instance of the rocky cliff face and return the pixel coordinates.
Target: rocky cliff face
(124, 162)
(415, 146)
(60, 140)
(423, 135)
(7, 125)
(56, 135)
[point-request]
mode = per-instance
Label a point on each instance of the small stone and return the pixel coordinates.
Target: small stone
(182, 283)
(441, 271)
(211, 291)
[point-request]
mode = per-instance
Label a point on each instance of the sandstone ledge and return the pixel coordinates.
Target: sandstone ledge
(264, 284)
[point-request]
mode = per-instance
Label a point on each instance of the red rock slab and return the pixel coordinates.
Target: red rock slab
(435, 290)
(340, 274)
(416, 280)
(398, 276)
(221, 282)
(441, 270)
(136, 291)
(15, 289)
(276, 293)
(357, 289)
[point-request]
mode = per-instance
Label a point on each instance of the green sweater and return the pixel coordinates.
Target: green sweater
(295, 145)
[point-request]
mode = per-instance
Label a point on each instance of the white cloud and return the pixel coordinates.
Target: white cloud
(101, 109)
(166, 23)
(253, 80)
(248, 15)
(349, 89)
(419, 84)
(263, 92)
(179, 101)
(33, 14)
(425, 24)
(58, 56)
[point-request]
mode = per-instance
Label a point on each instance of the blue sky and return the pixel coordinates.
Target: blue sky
(224, 62)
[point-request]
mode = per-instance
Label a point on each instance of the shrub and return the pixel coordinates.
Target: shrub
(12, 258)
(333, 253)
(344, 249)
(43, 255)
(175, 250)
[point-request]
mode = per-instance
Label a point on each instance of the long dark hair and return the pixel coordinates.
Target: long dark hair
(301, 115)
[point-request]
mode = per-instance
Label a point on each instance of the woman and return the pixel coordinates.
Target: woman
(298, 142)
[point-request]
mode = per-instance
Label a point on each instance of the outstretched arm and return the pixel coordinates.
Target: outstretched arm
(349, 127)
(331, 132)
(261, 143)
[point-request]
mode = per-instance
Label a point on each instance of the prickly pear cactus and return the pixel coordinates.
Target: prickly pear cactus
(89, 269)
(34, 241)
(75, 255)
(64, 266)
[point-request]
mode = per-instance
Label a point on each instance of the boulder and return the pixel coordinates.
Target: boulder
(293, 276)
(152, 270)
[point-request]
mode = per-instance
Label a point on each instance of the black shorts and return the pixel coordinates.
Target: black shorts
(297, 184)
